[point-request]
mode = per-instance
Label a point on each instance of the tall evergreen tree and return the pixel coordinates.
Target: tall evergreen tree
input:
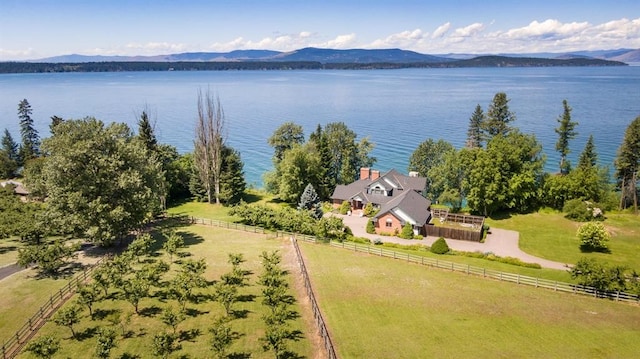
(30, 147)
(146, 132)
(474, 133)
(588, 157)
(628, 165)
(498, 117)
(566, 132)
(8, 156)
(309, 201)
(232, 183)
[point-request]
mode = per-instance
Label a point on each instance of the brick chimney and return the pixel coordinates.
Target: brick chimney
(375, 174)
(365, 172)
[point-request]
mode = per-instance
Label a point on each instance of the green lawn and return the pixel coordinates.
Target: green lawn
(543, 273)
(219, 212)
(384, 308)
(9, 250)
(549, 235)
(214, 245)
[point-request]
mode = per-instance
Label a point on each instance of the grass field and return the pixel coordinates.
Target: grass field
(9, 250)
(549, 235)
(382, 308)
(213, 245)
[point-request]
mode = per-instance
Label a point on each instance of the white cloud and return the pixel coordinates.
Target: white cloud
(404, 40)
(340, 42)
(548, 29)
(7, 55)
(285, 42)
(155, 48)
(441, 30)
(468, 31)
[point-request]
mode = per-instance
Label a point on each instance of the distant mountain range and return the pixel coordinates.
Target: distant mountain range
(332, 56)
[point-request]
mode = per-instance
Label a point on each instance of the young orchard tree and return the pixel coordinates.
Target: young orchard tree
(208, 145)
(105, 343)
(172, 318)
(566, 132)
(172, 244)
(221, 337)
(68, 316)
(88, 294)
(44, 347)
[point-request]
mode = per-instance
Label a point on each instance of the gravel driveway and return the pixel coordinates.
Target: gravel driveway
(501, 242)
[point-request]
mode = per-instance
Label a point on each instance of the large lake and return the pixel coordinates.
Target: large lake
(397, 109)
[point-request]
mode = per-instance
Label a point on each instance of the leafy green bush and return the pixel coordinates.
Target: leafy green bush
(582, 211)
(593, 236)
(369, 210)
(440, 246)
(371, 228)
(407, 231)
(345, 207)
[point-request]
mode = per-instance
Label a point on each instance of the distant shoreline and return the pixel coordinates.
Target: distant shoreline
(129, 66)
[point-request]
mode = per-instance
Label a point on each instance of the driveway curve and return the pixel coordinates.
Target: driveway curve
(501, 242)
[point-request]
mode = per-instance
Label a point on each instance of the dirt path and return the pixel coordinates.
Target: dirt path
(501, 242)
(291, 264)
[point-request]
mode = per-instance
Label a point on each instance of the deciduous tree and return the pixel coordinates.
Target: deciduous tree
(428, 155)
(68, 316)
(209, 143)
(285, 138)
(100, 183)
(43, 347)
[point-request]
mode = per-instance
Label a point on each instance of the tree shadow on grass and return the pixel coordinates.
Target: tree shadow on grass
(190, 238)
(194, 312)
(500, 216)
(151, 311)
(239, 355)
(246, 298)
(8, 249)
(129, 356)
(86, 334)
(590, 249)
(240, 314)
(100, 314)
(189, 335)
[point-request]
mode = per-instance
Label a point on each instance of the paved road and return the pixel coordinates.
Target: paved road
(501, 242)
(9, 270)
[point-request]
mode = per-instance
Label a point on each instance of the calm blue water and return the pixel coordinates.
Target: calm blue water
(397, 109)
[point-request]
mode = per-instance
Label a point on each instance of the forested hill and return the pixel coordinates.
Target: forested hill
(117, 66)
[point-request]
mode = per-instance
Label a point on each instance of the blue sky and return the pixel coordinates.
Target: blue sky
(31, 29)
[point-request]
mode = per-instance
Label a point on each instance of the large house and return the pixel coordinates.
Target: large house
(399, 198)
